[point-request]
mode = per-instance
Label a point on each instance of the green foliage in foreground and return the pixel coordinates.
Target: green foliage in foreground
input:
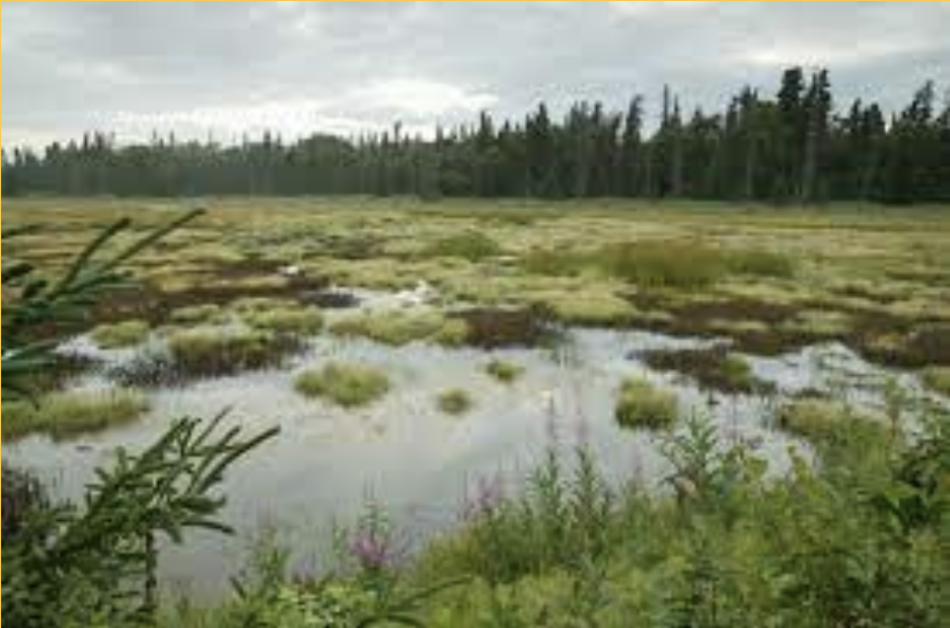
(68, 414)
(400, 328)
(642, 405)
(95, 564)
(504, 372)
(347, 385)
(860, 542)
(455, 401)
(118, 335)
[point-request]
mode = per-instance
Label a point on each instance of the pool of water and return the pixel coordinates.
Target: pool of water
(416, 460)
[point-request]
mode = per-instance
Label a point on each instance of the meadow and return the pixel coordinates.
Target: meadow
(526, 413)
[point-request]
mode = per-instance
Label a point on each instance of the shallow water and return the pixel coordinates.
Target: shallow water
(416, 460)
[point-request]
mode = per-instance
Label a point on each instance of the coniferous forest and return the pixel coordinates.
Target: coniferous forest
(796, 145)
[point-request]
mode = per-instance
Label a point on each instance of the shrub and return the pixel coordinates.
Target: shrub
(454, 401)
(124, 334)
(301, 321)
(642, 405)
(400, 328)
(347, 385)
(212, 352)
(505, 372)
(470, 245)
(69, 414)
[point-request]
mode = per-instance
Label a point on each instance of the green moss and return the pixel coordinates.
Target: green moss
(299, 320)
(118, 335)
(642, 405)
(400, 328)
(505, 372)
(455, 401)
(938, 378)
(68, 414)
(347, 385)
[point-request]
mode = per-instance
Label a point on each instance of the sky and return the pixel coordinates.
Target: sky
(225, 69)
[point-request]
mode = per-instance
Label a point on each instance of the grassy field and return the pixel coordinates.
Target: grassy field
(772, 279)
(851, 533)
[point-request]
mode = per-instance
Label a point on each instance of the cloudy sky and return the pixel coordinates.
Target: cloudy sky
(228, 68)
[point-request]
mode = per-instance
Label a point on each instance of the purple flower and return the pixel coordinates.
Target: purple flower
(488, 496)
(372, 552)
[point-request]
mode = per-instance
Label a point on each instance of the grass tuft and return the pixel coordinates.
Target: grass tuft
(212, 352)
(455, 401)
(400, 328)
(504, 372)
(470, 245)
(298, 320)
(65, 415)
(642, 405)
(347, 385)
(119, 335)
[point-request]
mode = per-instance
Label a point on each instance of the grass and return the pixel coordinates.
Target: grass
(215, 352)
(470, 245)
(454, 401)
(503, 371)
(120, 335)
(665, 266)
(65, 415)
(938, 378)
(642, 405)
(401, 328)
(303, 321)
(195, 314)
(824, 422)
(346, 385)
(713, 368)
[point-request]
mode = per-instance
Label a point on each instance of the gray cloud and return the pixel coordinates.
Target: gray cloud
(228, 67)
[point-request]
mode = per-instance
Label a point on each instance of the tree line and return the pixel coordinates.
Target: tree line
(793, 147)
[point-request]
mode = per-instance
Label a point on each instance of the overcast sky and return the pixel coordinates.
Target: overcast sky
(294, 67)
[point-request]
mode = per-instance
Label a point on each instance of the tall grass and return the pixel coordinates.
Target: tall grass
(65, 415)
(679, 264)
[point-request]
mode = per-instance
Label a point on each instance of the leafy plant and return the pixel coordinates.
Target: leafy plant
(95, 564)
